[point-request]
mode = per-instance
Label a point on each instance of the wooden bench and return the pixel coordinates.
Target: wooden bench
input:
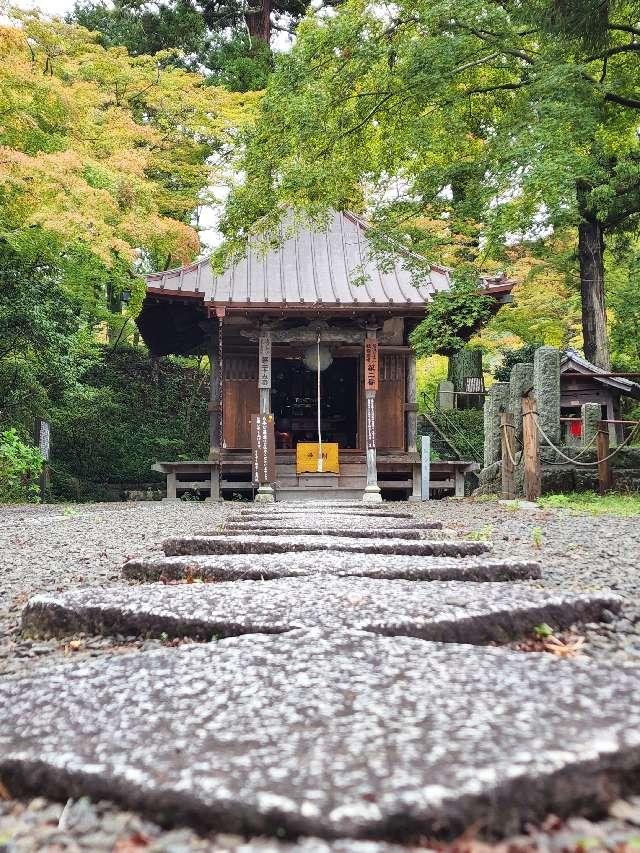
(180, 477)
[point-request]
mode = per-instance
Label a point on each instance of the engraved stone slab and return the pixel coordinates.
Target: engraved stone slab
(265, 566)
(447, 611)
(350, 735)
(282, 545)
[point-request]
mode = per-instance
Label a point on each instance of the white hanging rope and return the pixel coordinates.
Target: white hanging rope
(319, 422)
(573, 461)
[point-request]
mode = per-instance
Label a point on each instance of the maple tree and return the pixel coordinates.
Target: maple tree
(104, 157)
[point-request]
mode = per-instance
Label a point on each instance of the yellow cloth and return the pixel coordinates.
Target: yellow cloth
(307, 458)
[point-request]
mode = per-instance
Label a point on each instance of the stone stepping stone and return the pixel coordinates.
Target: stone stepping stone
(266, 566)
(282, 545)
(348, 735)
(445, 611)
(350, 532)
(306, 513)
(346, 522)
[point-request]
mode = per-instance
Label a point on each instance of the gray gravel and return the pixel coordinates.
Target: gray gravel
(51, 549)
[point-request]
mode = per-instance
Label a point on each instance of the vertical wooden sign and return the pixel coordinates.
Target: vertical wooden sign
(371, 364)
(264, 360)
(263, 449)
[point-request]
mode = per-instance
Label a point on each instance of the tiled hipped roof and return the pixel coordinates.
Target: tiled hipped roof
(310, 267)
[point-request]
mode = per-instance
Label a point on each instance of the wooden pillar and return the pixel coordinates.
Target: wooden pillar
(172, 492)
(531, 450)
(265, 493)
(605, 479)
(215, 405)
(372, 492)
(411, 404)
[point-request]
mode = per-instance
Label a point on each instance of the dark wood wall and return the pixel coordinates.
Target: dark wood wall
(241, 399)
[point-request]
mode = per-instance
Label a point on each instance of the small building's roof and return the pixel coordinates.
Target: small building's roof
(572, 361)
(330, 267)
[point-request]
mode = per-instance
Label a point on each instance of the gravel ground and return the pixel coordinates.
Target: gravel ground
(53, 548)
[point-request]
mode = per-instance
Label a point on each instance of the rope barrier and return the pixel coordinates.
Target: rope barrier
(508, 446)
(586, 447)
(573, 461)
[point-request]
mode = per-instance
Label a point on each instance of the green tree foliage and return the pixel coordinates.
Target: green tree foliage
(20, 467)
(103, 157)
(126, 413)
(452, 318)
(41, 338)
(228, 40)
(504, 116)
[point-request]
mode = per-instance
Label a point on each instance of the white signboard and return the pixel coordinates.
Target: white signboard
(44, 439)
(264, 360)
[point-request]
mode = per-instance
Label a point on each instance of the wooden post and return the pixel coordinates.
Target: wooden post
(411, 406)
(172, 492)
(372, 492)
(507, 435)
(426, 466)
(265, 493)
(214, 407)
(605, 479)
(531, 450)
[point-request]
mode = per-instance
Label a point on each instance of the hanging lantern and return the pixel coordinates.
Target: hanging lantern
(317, 357)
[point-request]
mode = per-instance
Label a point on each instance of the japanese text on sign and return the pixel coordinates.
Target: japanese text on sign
(371, 364)
(263, 449)
(43, 439)
(371, 424)
(264, 360)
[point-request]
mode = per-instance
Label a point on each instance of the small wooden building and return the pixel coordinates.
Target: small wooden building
(582, 382)
(266, 321)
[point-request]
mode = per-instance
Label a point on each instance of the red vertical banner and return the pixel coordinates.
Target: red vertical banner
(371, 364)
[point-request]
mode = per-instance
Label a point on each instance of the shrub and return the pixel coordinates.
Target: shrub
(465, 428)
(20, 467)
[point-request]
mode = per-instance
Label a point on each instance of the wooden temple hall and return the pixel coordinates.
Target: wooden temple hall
(313, 383)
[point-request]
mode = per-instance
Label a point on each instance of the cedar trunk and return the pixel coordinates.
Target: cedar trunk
(594, 317)
(258, 20)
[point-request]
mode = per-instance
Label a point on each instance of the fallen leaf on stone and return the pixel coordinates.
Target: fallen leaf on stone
(624, 810)
(132, 843)
(75, 645)
(569, 649)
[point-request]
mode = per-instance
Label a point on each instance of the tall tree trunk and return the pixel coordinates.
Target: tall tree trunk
(258, 19)
(594, 317)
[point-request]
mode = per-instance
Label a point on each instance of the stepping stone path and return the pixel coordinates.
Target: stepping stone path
(255, 544)
(347, 734)
(450, 611)
(312, 723)
(266, 566)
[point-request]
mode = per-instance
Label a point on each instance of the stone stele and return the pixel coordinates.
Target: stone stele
(341, 735)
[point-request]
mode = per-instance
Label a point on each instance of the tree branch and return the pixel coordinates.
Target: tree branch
(632, 103)
(622, 28)
(621, 48)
